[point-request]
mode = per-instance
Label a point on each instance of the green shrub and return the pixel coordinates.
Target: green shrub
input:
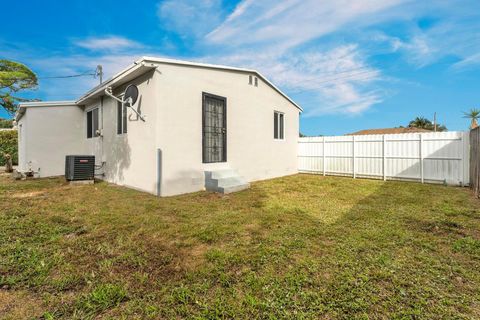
(8, 144)
(6, 123)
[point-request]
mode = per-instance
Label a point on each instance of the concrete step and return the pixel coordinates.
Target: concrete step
(222, 173)
(225, 181)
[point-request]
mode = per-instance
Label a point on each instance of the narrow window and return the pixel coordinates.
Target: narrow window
(95, 122)
(275, 125)
(92, 123)
(250, 79)
(124, 122)
(280, 131)
(256, 82)
(121, 118)
(278, 125)
(89, 124)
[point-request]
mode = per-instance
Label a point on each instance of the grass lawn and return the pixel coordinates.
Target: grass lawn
(297, 247)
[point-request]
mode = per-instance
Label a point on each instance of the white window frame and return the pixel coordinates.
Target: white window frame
(124, 117)
(279, 123)
(94, 133)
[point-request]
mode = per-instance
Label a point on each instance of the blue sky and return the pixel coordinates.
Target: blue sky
(352, 65)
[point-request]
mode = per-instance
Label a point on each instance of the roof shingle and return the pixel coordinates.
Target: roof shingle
(388, 131)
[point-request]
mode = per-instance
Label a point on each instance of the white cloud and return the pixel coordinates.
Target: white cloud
(283, 39)
(468, 61)
(454, 34)
(191, 17)
(337, 78)
(107, 43)
(267, 35)
(294, 43)
(418, 50)
(289, 23)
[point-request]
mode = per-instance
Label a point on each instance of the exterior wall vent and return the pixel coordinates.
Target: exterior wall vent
(79, 168)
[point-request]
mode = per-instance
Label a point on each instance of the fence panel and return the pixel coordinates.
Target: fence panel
(475, 160)
(437, 157)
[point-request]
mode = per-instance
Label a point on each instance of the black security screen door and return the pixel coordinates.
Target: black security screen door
(214, 128)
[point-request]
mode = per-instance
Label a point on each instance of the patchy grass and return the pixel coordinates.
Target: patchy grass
(303, 247)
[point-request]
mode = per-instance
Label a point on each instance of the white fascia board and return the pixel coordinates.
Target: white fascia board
(47, 103)
(99, 90)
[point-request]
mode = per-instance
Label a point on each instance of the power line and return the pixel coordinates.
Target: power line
(98, 72)
(86, 73)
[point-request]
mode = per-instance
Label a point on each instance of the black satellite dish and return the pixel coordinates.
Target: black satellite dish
(131, 92)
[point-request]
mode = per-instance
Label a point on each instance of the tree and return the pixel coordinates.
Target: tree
(473, 115)
(14, 77)
(424, 123)
(421, 122)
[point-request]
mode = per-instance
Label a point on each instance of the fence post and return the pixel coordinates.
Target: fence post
(462, 166)
(384, 158)
(353, 147)
(421, 158)
(323, 153)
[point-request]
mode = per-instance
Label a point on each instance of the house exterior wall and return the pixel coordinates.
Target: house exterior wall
(46, 135)
(163, 155)
(251, 148)
(129, 159)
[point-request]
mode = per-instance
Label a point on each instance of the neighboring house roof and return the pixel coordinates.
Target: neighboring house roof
(148, 63)
(388, 131)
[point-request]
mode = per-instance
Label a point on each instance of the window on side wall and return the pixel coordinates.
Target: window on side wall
(121, 118)
(92, 123)
(278, 125)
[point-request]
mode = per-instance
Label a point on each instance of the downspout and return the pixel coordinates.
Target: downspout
(159, 172)
(102, 163)
(156, 83)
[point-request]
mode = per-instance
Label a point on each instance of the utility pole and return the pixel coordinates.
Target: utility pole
(99, 73)
(435, 122)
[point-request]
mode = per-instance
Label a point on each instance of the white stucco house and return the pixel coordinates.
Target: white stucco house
(200, 120)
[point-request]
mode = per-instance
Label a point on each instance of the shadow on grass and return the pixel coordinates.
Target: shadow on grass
(302, 246)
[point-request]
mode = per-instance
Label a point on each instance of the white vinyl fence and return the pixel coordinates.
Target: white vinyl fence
(437, 157)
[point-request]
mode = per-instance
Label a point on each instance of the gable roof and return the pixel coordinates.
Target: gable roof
(148, 63)
(388, 131)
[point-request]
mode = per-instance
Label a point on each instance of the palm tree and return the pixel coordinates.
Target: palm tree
(474, 115)
(421, 122)
(424, 123)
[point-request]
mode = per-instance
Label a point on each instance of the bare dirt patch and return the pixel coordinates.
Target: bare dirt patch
(30, 194)
(19, 305)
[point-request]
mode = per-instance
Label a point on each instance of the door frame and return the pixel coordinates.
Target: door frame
(224, 99)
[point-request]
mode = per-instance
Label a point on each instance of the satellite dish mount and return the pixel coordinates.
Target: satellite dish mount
(130, 97)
